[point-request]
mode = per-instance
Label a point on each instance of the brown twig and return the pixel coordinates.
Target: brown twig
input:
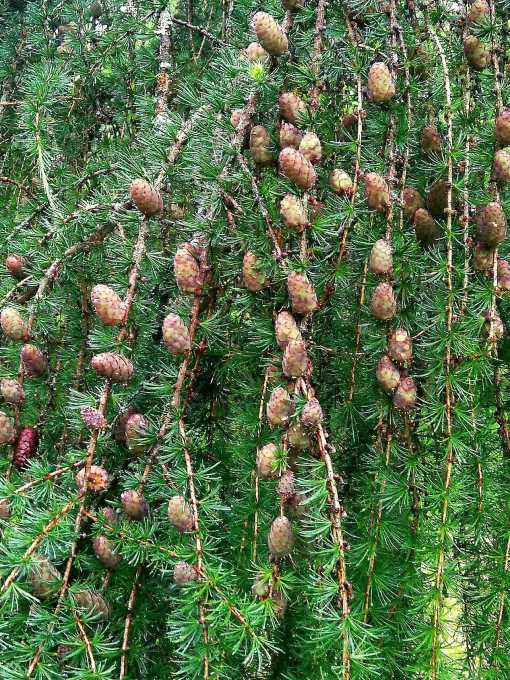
(199, 29)
(128, 622)
(320, 27)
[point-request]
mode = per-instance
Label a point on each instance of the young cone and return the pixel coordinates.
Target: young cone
(290, 136)
(104, 550)
(286, 329)
(286, 487)
(180, 515)
(381, 87)
(297, 168)
(113, 366)
(437, 198)
(311, 415)
(383, 305)
(478, 11)
(34, 362)
(311, 148)
(502, 129)
(431, 142)
(490, 224)
(269, 34)
(253, 278)
(176, 335)
(97, 479)
(187, 272)
(400, 346)
(477, 55)
(183, 573)
(146, 198)
(381, 257)
(281, 537)
(267, 458)
(134, 504)
(15, 266)
(292, 107)
(404, 398)
(377, 192)
(256, 53)
(295, 359)
(12, 324)
(293, 212)
(93, 418)
(340, 182)
(501, 165)
(260, 145)
(483, 257)
(387, 374)
(412, 201)
(108, 306)
(43, 577)
(11, 390)
(93, 603)
(425, 227)
(297, 437)
(7, 429)
(279, 407)
(26, 446)
(136, 428)
(302, 293)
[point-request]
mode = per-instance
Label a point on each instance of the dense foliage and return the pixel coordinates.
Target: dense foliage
(254, 384)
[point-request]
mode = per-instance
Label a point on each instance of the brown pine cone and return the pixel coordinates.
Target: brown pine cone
(43, 577)
(437, 198)
(93, 418)
(310, 147)
(93, 603)
(108, 306)
(477, 55)
(501, 165)
(311, 415)
(176, 335)
(269, 34)
(256, 53)
(26, 446)
(295, 359)
(113, 366)
(478, 11)
(254, 278)
(400, 346)
(286, 329)
(97, 479)
(184, 573)
(286, 487)
(15, 266)
(146, 197)
(503, 274)
(381, 257)
(281, 537)
(302, 293)
(260, 145)
(490, 224)
(180, 514)
(483, 258)
(134, 504)
(12, 324)
(405, 395)
(290, 136)
(119, 430)
(104, 550)
(381, 87)
(412, 201)
(425, 227)
(279, 407)
(377, 192)
(387, 374)
(5, 510)
(11, 391)
(297, 168)
(187, 272)
(383, 305)
(267, 461)
(431, 142)
(7, 429)
(340, 182)
(297, 437)
(34, 362)
(136, 429)
(503, 128)
(293, 212)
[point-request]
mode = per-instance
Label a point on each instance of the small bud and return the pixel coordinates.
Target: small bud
(311, 415)
(93, 418)
(26, 446)
(295, 359)
(400, 346)
(134, 504)
(405, 395)
(387, 374)
(297, 168)
(7, 429)
(491, 224)
(267, 460)
(108, 306)
(146, 198)
(12, 324)
(256, 53)
(302, 293)
(377, 192)
(279, 407)
(286, 329)
(176, 335)
(286, 487)
(180, 514)
(381, 257)
(281, 537)
(340, 182)
(293, 212)
(183, 573)
(292, 107)
(290, 136)
(104, 550)
(97, 480)
(254, 278)
(383, 305)
(311, 147)
(381, 87)
(260, 145)
(187, 272)
(34, 362)
(113, 366)
(11, 391)
(269, 34)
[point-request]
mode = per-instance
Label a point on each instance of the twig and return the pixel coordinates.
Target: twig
(86, 641)
(19, 185)
(128, 622)
(320, 27)
(199, 29)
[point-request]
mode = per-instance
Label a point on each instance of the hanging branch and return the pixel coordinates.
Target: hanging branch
(128, 622)
(320, 27)
(198, 29)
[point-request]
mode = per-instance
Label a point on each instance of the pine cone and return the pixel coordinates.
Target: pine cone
(108, 305)
(387, 374)
(260, 588)
(11, 391)
(405, 395)
(7, 429)
(297, 437)
(498, 328)
(297, 168)
(256, 53)
(310, 147)
(477, 55)
(381, 257)
(109, 515)
(93, 603)
(184, 573)
(280, 604)
(431, 142)
(104, 550)
(43, 577)
(119, 430)
(501, 165)
(260, 145)
(281, 537)
(295, 359)
(483, 258)
(293, 212)
(503, 274)
(254, 278)
(279, 407)
(5, 510)
(290, 136)
(176, 335)
(311, 415)
(93, 418)
(146, 197)
(15, 266)
(134, 504)
(267, 461)
(412, 201)
(377, 192)
(136, 429)
(478, 11)
(491, 224)
(187, 272)
(292, 107)
(340, 182)
(383, 305)
(400, 346)
(113, 366)
(12, 324)
(34, 362)
(437, 199)
(503, 128)
(286, 329)
(302, 293)
(425, 227)
(180, 514)
(95, 9)
(381, 87)
(269, 34)
(235, 117)
(97, 478)
(286, 487)
(26, 446)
